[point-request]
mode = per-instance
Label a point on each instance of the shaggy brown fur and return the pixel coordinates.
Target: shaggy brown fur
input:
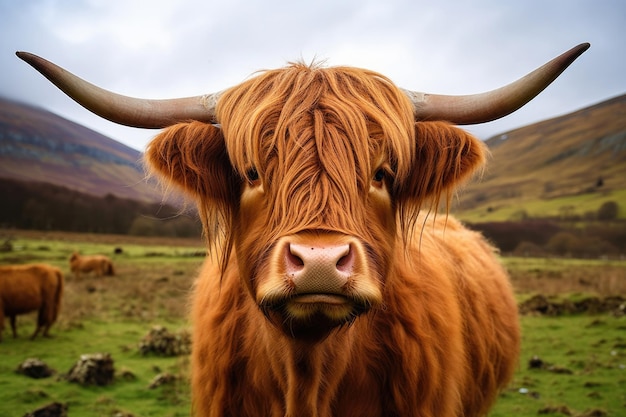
(427, 325)
(26, 288)
(98, 264)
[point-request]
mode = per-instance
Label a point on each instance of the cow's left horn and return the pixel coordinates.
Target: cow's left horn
(135, 112)
(492, 105)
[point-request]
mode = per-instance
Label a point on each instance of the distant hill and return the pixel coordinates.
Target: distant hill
(568, 166)
(58, 175)
(39, 146)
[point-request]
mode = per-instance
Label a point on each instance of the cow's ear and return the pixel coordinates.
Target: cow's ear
(444, 157)
(193, 157)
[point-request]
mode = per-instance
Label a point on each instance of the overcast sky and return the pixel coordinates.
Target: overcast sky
(163, 49)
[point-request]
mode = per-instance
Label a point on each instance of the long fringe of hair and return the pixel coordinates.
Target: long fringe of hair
(314, 128)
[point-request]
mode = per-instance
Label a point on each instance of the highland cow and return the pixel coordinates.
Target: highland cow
(100, 265)
(27, 288)
(331, 287)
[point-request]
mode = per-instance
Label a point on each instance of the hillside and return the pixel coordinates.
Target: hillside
(39, 146)
(566, 166)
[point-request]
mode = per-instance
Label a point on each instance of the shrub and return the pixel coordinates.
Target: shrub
(608, 211)
(565, 243)
(526, 248)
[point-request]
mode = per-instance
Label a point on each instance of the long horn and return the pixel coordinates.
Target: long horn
(492, 105)
(134, 112)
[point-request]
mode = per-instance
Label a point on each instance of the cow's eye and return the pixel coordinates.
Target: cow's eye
(379, 175)
(252, 175)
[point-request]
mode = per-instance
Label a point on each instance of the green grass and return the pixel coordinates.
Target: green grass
(20, 394)
(57, 251)
(591, 348)
(534, 207)
(513, 263)
(104, 315)
(151, 286)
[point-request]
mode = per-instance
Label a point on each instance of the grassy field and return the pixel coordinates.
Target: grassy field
(584, 356)
(515, 208)
(583, 372)
(104, 315)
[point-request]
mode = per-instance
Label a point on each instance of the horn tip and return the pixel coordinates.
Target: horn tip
(577, 51)
(584, 46)
(26, 56)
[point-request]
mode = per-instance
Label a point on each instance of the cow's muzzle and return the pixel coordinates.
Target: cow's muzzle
(317, 282)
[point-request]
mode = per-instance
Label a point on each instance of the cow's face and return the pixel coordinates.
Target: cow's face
(307, 178)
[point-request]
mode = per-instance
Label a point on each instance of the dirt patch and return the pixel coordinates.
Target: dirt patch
(596, 412)
(549, 306)
(162, 379)
(92, 369)
(50, 410)
(537, 363)
(560, 409)
(160, 341)
(34, 368)
(566, 411)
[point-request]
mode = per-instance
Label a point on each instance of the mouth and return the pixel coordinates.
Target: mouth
(337, 308)
(313, 315)
(328, 299)
(297, 305)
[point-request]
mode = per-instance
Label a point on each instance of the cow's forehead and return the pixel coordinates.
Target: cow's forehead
(337, 115)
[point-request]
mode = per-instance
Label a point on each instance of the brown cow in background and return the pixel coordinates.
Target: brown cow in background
(327, 290)
(100, 265)
(26, 288)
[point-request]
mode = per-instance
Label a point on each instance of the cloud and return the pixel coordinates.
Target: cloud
(160, 49)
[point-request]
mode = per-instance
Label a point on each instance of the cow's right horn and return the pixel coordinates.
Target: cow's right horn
(134, 112)
(492, 105)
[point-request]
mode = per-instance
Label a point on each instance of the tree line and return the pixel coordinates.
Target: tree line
(543, 237)
(43, 206)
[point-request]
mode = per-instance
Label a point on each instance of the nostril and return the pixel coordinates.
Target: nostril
(346, 262)
(293, 262)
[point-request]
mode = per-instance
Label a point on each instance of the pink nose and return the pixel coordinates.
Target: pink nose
(319, 269)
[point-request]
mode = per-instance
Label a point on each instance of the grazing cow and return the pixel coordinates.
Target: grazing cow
(98, 264)
(26, 288)
(327, 290)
